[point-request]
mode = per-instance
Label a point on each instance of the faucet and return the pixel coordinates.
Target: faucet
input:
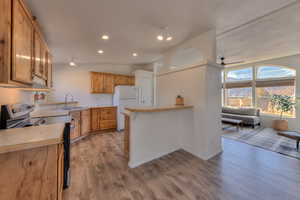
(66, 99)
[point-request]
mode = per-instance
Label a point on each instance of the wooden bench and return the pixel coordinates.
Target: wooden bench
(292, 135)
(236, 122)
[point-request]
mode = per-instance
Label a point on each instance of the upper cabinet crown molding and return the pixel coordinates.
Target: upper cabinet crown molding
(104, 83)
(23, 50)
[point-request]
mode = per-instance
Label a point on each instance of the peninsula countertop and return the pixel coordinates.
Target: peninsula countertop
(157, 108)
(17, 139)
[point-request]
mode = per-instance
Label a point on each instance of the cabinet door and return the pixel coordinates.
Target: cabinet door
(108, 124)
(126, 137)
(85, 122)
(131, 80)
(22, 44)
(40, 56)
(60, 172)
(108, 113)
(37, 54)
(96, 82)
(49, 71)
(43, 67)
(75, 132)
(30, 174)
(5, 39)
(118, 80)
(95, 119)
(108, 84)
(108, 118)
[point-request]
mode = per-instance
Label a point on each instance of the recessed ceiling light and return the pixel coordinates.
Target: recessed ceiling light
(134, 54)
(105, 37)
(160, 37)
(100, 51)
(72, 64)
(169, 38)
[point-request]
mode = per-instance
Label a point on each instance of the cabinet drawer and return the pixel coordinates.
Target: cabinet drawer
(108, 114)
(108, 124)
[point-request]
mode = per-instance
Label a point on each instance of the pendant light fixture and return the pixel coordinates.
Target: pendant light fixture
(72, 63)
(164, 35)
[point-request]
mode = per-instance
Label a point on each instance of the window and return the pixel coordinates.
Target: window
(267, 72)
(264, 95)
(244, 74)
(239, 97)
(239, 88)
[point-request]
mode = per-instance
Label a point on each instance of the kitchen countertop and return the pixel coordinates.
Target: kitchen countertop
(17, 139)
(58, 112)
(156, 108)
(58, 103)
(49, 113)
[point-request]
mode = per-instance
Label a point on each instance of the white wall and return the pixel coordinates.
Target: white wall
(195, 51)
(155, 134)
(290, 61)
(200, 87)
(13, 96)
(76, 80)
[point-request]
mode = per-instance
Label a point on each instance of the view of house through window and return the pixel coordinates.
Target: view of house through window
(241, 85)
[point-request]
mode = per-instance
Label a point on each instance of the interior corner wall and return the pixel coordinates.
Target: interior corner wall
(76, 81)
(200, 87)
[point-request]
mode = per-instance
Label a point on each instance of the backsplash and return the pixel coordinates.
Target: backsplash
(13, 96)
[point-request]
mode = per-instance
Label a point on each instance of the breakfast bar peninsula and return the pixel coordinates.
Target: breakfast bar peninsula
(152, 132)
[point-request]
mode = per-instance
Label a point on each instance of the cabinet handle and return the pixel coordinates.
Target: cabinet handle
(2, 41)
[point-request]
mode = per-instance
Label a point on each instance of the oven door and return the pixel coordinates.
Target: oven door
(67, 154)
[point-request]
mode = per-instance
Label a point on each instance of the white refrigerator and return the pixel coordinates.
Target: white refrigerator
(124, 96)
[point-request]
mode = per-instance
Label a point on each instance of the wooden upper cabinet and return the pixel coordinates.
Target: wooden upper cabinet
(49, 71)
(37, 54)
(124, 80)
(108, 83)
(43, 67)
(22, 44)
(23, 50)
(131, 80)
(5, 40)
(40, 56)
(96, 82)
(105, 82)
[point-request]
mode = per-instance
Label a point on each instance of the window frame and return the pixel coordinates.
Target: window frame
(256, 81)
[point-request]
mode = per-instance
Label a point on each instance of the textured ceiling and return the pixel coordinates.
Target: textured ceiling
(271, 36)
(73, 27)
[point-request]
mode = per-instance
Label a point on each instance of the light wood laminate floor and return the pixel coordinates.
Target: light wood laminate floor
(241, 172)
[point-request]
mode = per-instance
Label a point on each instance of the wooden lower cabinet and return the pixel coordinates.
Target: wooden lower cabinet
(85, 122)
(76, 124)
(32, 174)
(103, 118)
(126, 137)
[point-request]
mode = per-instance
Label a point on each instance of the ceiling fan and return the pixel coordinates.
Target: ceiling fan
(222, 58)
